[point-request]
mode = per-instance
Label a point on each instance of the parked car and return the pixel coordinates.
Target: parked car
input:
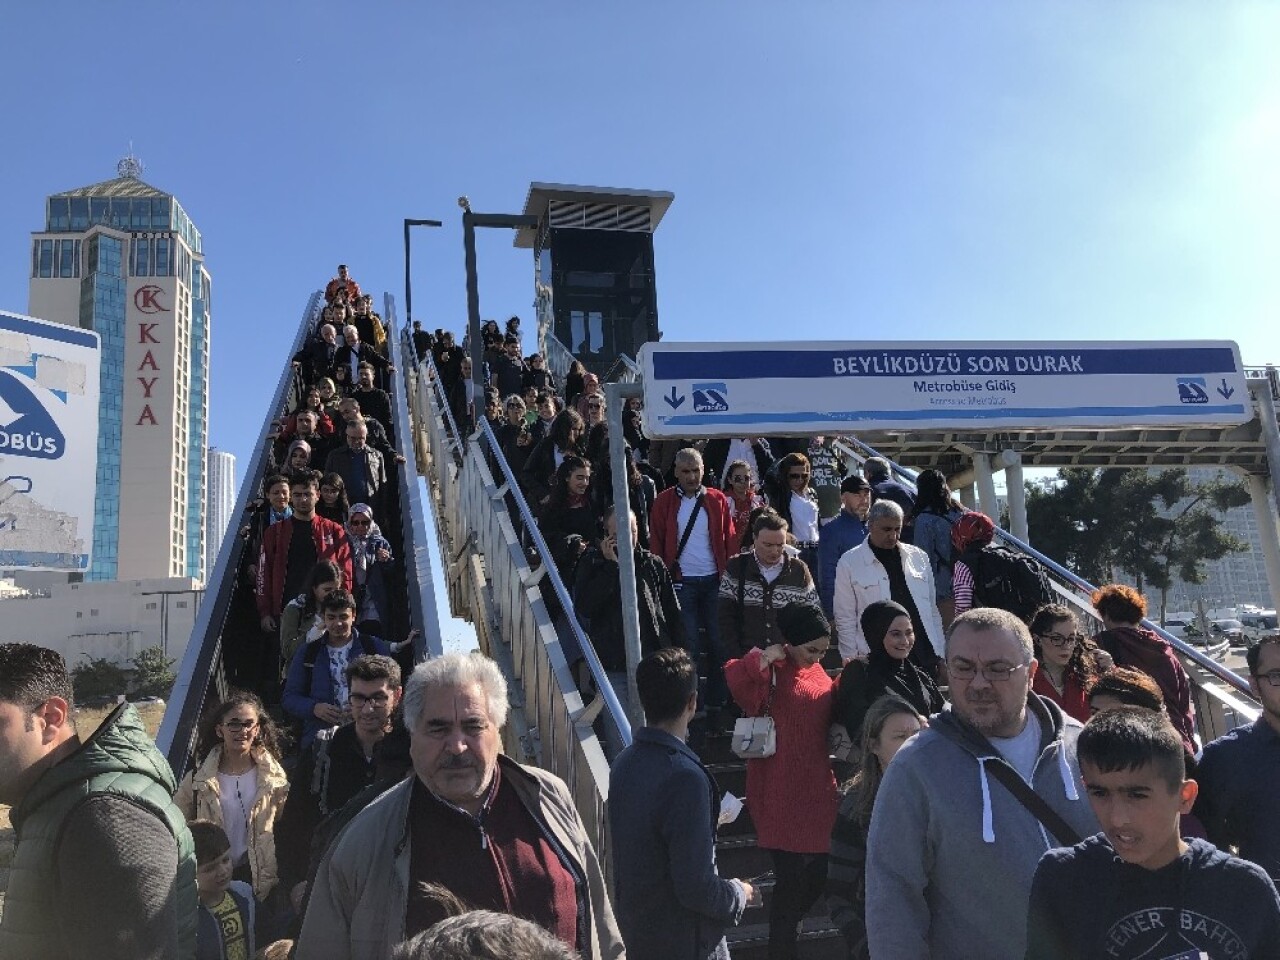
(1230, 630)
(1259, 624)
(1176, 627)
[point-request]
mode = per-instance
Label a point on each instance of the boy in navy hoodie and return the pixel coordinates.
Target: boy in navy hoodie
(1138, 890)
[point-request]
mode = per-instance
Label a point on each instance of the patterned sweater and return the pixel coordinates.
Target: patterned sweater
(748, 603)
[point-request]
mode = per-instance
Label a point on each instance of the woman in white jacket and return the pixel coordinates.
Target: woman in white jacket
(883, 568)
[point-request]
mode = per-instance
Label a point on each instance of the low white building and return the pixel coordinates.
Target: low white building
(112, 619)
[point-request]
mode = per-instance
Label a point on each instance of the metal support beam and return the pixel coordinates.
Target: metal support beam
(616, 395)
(1261, 390)
(1268, 533)
(469, 223)
(1017, 494)
(408, 273)
(968, 497)
(986, 485)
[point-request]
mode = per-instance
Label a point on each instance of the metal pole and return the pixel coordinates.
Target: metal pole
(408, 274)
(473, 313)
(616, 395)
(1261, 390)
(1268, 533)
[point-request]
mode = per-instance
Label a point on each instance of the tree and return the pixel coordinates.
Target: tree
(1152, 524)
(98, 677)
(152, 676)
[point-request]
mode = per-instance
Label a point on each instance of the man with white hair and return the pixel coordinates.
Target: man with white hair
(498, 835)
(355, 351)
(884, 568)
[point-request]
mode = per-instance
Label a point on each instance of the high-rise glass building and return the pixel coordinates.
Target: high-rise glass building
(222, 501)
(123, 258)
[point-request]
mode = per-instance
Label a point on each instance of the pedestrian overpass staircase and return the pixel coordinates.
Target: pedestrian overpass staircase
(522, 612)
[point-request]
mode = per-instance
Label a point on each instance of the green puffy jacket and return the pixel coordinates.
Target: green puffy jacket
(120, 759)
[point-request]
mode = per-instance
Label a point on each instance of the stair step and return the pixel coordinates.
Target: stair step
(738, 856)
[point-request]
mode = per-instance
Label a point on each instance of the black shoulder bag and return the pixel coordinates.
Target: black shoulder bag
(1035, 804)
(676, 575)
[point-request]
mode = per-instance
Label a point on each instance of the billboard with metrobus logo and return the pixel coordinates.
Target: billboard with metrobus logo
(48, 444)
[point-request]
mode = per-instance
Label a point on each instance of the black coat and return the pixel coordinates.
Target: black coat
(597, 595)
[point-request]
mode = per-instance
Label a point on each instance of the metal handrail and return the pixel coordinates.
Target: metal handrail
(557, 353)
(598, 673)
(416, 558)
(629, 373)
(861, 448)
(186, 701)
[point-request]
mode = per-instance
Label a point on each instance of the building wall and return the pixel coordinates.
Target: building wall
(116, 620)
(222, 501)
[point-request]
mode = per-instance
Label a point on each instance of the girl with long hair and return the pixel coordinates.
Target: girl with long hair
(932, 519)
(333, 504)
(239, 785)
(301, 620)
(740, 486)
(798, 505)
(568, 521)
(1069, 660)
(889, 723)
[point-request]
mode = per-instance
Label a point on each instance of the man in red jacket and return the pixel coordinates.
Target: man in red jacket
(292, 547)
(691, 531)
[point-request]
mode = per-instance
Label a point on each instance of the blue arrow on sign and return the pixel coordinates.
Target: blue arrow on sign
(33, 433)
(1227, 392)
(674, 400)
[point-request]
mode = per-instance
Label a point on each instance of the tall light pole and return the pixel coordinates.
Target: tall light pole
(408, 260)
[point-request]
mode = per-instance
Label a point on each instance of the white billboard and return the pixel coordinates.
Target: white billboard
(749, 389)
(48, 443)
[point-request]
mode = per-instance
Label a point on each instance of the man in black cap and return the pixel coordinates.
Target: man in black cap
(845, 531)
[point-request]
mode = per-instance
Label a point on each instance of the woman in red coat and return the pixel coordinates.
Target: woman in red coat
(791, 795)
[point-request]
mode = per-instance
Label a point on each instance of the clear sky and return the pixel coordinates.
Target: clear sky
(993, 170)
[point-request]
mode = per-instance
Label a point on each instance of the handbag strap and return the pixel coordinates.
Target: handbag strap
(768, 701)
(1036, 804)
(688, 527)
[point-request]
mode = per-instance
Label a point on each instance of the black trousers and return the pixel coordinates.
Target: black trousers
(799, 880)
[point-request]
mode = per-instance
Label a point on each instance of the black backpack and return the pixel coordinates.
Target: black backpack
(1008, 580)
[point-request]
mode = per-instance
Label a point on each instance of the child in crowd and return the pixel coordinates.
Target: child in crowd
(888, 724)
(1138, 889)
(227, 908)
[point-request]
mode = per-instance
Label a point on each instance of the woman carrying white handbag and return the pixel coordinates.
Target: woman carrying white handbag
(792, 793)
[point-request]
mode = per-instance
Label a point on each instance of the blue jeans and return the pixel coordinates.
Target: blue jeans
(699, 603)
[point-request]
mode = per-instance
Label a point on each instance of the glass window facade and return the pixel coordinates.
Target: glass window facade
(197, 411)
(59, 218)
(102, 308)
(79, 213)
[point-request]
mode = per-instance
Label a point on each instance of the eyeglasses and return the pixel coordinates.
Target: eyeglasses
(993, 672)
(740, 478)
(797, 476)
(1271, 676)
(356, 522)
(239, 725)
(379, 700)
(1058, 640)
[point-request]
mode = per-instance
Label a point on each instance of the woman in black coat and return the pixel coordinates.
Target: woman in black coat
(889, 669)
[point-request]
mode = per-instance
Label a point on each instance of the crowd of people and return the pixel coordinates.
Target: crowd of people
(974, 775)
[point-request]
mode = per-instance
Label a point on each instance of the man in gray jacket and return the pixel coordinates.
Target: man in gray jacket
(493, 833)
(952, 851)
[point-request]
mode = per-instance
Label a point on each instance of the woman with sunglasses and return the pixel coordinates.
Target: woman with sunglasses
(798, 505)
(740, 486)
(240, 786)
(1069, 661)
(370, 559)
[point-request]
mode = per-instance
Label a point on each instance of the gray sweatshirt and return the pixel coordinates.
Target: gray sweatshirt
(951, 852)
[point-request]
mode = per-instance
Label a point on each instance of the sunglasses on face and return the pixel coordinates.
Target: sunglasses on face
(239, 725)
(798, 476)
(740, 478)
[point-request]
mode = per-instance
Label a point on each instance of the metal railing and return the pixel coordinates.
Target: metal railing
(491, 582)
(1268, 373)
(624, 370)
(416, 556)
(1218, 710)
(201, 663)
(559, 358)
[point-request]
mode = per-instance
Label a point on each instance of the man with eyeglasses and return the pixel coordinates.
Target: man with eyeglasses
(952, 849)
(372, 748)
(1239, 774)
(104, 864)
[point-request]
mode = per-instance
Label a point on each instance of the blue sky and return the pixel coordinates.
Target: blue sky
(844, 170)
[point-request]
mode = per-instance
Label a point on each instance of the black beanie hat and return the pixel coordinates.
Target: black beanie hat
(877, 619)
(802, 623)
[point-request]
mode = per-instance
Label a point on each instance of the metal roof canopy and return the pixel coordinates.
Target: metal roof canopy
(540, 196)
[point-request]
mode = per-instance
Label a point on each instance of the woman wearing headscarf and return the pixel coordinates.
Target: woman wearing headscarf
(792, 794)
(370, 559)
(297, 461)
(890, 636)
(969, 534)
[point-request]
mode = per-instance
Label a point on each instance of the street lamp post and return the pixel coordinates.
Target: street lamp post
(408, 260)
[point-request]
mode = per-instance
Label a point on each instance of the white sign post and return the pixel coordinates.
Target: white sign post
(696, 390)
(48, 444)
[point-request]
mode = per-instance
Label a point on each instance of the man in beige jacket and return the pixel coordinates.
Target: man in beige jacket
(493, 833)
